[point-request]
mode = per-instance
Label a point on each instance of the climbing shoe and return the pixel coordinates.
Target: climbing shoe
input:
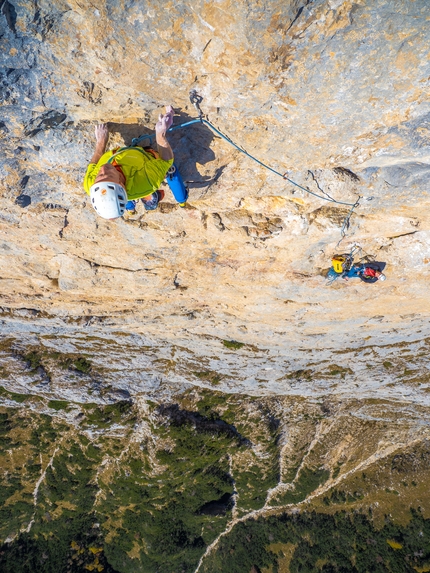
(131, 207)
(152, 204)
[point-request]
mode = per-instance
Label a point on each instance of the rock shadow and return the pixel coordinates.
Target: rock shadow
(191, 146)
(23, 200)
(212, 424)
(218, 506)
(376, 265)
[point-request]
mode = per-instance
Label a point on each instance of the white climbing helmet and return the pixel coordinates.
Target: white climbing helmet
(108, 199)
(382, 277)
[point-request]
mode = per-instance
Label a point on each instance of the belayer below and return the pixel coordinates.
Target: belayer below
(115, 179)
(367, 272)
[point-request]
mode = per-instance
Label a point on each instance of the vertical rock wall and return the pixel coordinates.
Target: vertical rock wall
(335, 93)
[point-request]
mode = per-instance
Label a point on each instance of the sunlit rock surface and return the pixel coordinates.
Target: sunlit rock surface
(335, 93)
(229, 293)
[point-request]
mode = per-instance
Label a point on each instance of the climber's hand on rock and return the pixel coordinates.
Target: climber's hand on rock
(164, 121)
(170, 111)
(102, 137)
(102, 134)
(161, 127)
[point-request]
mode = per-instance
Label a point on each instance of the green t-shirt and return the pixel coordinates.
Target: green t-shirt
(143, 173)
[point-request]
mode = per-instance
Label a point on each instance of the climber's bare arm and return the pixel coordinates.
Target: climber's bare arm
(161, 127)
(102, 137)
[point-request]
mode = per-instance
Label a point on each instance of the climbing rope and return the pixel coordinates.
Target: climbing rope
(346, 221)
(196, 100)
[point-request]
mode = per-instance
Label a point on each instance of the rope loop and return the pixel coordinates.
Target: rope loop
(196, 99)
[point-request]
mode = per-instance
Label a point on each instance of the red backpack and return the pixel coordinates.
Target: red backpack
(369, 273)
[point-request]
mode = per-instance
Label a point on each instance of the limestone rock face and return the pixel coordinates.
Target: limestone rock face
(335, 93)
(175, 381)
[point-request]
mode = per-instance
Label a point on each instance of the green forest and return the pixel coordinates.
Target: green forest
(118, 492)
(344, 542)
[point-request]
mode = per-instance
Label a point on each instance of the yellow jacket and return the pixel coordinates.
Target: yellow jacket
(143, 173)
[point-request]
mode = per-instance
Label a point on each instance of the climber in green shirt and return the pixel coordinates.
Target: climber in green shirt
(116, 179)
